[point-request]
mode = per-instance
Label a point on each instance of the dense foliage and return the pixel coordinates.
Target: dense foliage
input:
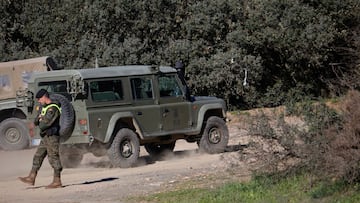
(280, 47)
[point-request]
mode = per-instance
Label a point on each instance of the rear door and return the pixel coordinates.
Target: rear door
(145, 108)
(106, 97)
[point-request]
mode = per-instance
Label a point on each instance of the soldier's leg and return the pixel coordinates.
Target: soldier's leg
(38, 159)
(39, 155)
(54, 160)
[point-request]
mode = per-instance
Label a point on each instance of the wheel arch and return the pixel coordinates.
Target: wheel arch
(207, 111)
(12, 113)
(121, 120)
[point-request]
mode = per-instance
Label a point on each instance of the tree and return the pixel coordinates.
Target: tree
(284, 46)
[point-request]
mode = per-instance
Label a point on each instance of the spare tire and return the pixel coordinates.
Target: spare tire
(67, 118)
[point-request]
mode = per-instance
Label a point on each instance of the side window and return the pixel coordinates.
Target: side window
(141, 88)
(168, 86)
(105, 91)
(58, 87)
(5, 85)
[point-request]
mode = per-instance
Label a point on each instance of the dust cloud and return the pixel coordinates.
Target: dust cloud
(18, 163)
(182, 149)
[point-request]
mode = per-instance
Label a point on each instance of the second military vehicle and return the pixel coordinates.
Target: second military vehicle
(14, 76)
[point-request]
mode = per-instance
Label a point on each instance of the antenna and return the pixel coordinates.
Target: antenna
(96, 63)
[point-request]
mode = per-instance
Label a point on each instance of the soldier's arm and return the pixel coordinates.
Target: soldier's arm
(37, 118)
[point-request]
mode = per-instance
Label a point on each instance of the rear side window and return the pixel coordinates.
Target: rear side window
(58, 87)
(106, 91)
(141, 88)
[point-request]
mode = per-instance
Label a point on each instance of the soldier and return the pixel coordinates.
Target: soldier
(48, 122)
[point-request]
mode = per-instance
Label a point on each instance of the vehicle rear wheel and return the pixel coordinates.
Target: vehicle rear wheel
(14, 134)
(215, 136)
(156, 150)
(125, 149)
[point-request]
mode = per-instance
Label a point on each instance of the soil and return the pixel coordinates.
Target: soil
(96, 181)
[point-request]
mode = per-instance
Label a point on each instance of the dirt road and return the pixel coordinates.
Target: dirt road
(96, 181)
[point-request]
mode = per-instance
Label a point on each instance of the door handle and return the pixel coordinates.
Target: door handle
(166, 111)
(99, 123)
(139, 113)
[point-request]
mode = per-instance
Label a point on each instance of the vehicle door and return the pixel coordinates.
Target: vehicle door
(145, 108)
(106, 97)
(174, 108)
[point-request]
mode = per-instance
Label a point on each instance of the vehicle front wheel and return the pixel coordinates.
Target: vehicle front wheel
(125, 149)
(215, 136)
(13, 134)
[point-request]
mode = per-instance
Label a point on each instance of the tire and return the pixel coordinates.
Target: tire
(125, 149)
(156, 150)
(215, 136)
(67, 118)
(70, 158)
(14, 134)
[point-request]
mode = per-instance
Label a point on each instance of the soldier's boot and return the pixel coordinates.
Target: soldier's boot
(55, 184)
(30, 179)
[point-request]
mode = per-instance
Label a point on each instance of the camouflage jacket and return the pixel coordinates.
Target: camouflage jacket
(48, 119)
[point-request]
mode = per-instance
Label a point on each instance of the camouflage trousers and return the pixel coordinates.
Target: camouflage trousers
(49, 145)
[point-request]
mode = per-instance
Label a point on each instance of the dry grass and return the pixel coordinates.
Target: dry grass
(322, 140)
(342, 155)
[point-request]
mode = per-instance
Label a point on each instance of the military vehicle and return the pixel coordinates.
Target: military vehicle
(14, 75)
(115, 110)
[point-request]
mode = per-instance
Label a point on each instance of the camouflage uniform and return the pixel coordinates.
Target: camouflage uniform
(48, 122)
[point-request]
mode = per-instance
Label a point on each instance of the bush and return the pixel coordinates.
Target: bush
(342, 150)
(329, 146)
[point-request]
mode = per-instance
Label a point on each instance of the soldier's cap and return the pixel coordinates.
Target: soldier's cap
(41, 93)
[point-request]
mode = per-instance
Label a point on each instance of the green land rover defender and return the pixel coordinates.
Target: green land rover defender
(114, 110)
